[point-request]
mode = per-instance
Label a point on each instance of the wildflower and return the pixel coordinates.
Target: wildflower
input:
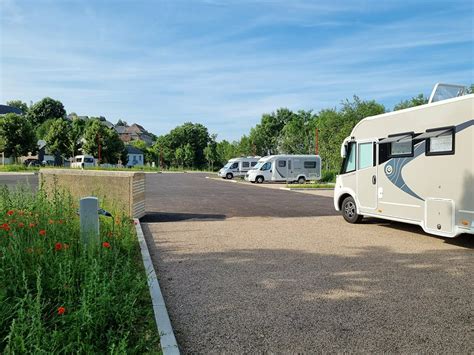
(32, 225)
(21, 225)
(65, 246)
(58, 246)
(109, 234)
(5, 226)
(60, 221)
(106, 244)
(61, 310)
(42, 232)
(10, 212)
(51, 221)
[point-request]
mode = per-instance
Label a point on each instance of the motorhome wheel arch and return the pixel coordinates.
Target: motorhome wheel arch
(414, 165)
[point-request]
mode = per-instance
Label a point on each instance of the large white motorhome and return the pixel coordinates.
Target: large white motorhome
(414, 165)
(237, 167)
(286, 168)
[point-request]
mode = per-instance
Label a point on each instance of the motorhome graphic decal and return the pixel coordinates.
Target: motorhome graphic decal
(393, 168)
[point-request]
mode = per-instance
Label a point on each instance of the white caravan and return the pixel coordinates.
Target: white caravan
(238, 167)
(286, 168)
(414, 165)
(83, 161)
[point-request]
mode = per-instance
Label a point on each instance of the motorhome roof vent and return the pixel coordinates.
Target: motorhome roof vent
(446, 91)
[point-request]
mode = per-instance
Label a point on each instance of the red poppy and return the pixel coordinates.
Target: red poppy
(32, 225)
(42, 232)
(61, 310)
(58, 246)
(21, 225)
(106, 244)
(5, 226)
(10, 212)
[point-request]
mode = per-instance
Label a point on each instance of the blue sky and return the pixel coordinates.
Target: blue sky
(224, 63)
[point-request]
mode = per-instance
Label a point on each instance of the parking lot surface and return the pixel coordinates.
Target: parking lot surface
(242, 272)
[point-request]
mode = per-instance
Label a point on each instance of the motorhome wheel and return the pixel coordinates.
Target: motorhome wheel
(301, 180)
(229, 176)
(349, 211)
(259, 179)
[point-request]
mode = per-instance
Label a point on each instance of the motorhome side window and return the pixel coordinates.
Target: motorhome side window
(281, 163)
(266, 166)
(309, 165)
(252, 164)
(440, 141)
(245, 164)
(401, 145)
(349, 163)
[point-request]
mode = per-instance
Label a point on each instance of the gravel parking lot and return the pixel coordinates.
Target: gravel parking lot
(245, 277)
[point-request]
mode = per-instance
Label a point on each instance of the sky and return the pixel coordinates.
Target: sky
(224, 63)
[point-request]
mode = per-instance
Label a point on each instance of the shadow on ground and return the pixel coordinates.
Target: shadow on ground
(153, 217)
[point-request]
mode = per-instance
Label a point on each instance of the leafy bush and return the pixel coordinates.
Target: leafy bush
(328, 175)
(58, 296)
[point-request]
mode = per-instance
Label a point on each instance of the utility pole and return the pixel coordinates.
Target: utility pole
(316, 141)
(100, 148)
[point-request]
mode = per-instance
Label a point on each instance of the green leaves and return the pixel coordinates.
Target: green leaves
(17, 135)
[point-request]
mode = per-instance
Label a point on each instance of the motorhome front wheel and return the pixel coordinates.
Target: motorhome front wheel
(301, 180)
(259, 179)
(229, 176)
(349, 211)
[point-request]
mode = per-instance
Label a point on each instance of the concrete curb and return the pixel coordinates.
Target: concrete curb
(169, 346)
(18, 173)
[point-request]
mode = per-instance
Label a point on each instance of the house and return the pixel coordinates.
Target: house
(135, 156)
(134, 132)
(4, 109)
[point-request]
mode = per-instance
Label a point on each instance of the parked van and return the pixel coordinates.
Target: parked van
(83, 161)
(238, 167)
(414, 165)
(286, 168)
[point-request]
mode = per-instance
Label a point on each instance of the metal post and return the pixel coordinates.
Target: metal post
(88, 211)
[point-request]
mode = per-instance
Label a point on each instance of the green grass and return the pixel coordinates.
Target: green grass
(58, 296)
(310, 186)
(17, 168)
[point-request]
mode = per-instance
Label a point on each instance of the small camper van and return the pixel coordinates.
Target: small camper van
(83, 161)
(414, 165)
(286, 168)
(237, 167)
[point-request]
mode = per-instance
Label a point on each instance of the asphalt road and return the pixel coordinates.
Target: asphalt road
(241, 273)
(176, 197)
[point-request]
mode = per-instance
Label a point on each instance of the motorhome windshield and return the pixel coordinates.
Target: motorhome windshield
(258, 166)
(227, 166)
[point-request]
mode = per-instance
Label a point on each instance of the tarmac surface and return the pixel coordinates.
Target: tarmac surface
(246, 269)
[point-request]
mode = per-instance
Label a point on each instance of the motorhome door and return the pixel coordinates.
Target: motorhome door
(366, 175)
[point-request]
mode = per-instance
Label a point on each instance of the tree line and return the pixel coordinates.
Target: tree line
(190, 145)
(46, 120)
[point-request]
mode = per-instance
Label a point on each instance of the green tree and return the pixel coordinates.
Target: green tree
(225, 151)
(19, 105)
(17, 136)
(112, 148)
(189, 155)
(57, 138)
(298, 134)
(45, 109)
(179, 156)
(75, 133)
(210, 152)
(414, 101)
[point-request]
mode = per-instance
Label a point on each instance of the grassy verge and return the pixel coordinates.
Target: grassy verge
(17, 168)
(310, 186)
(57, 296)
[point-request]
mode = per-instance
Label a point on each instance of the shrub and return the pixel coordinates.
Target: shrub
(58, 296)
(328, 175)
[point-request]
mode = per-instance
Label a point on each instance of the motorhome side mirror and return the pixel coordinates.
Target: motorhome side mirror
(343, 150)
